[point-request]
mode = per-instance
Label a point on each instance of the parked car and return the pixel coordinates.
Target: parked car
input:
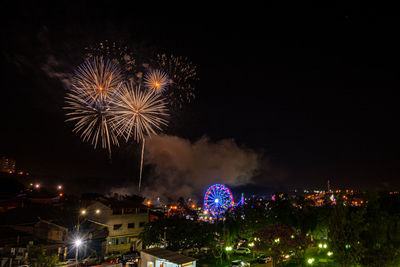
(190, 251)
(68, 263)
(242, 250)
(131, 258)
(116, 260)
(264, 259)
(91, 260)
(205, 249)
(239, 263)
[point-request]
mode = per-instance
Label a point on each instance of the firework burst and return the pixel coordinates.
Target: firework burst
(88, 101)
(156, 81)
(96, 80)
(138, 113)
(117, 51)
(182, 75)
(92, 121)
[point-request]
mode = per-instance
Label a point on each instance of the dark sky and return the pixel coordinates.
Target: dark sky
(314, 89)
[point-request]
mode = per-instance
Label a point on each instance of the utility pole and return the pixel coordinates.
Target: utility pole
(76, 245)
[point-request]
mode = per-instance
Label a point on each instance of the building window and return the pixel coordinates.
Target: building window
(117, 226)
(113, 241)
(141, 224)
(131, 225)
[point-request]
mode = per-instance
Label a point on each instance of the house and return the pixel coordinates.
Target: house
(22, 228)
(159, 257)
(124, 220)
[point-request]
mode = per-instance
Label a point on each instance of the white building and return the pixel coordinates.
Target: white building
(124, 220)
(159, 257)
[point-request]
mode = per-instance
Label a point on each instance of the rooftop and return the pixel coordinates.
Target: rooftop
(166, 254)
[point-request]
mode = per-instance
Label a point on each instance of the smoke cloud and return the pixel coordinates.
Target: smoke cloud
(51, 68)
(183, 168)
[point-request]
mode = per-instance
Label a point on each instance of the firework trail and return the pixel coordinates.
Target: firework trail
(138, 113)
(94, 84)
(182, 75)
(156, 81)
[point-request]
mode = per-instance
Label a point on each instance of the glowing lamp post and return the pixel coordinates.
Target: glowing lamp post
(228, 251)
(252, 245)
(77, 243)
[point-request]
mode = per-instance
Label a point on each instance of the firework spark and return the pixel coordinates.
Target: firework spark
(156, 81)
(182, 75)
(117, 51)
(92, 121)
(138, 113)
(96, 80)
(94, 84)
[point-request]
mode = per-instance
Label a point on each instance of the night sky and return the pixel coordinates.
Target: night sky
(312, 89)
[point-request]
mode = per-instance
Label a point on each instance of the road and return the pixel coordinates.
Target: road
(261, 264)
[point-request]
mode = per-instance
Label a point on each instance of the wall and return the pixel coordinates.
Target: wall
(124, 238)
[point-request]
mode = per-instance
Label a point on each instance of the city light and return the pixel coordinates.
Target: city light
(97, 211)
(325, 245)
(148, 203)
(228, 248)
(277, 240)
(37, 185)
(251, 244)
(330, 253)
(83, 212)
(310, 261)
(320, 245)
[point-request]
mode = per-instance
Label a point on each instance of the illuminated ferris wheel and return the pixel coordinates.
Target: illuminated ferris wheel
(218, 199)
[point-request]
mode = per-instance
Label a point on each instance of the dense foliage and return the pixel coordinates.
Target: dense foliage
(367, 235)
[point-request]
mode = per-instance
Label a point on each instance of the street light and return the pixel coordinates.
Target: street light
(228, 251)
(83, 212)
(97, 211)
(310, 261)
(78, 243)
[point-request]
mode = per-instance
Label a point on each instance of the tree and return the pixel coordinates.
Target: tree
(381, 237)
(282, 211)
(344, 230)
(179, 233)
(38, 258)
(278, 240)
